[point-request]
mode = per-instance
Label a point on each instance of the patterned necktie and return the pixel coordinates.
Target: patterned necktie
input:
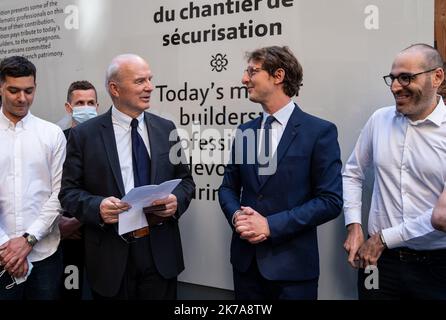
(140, 158)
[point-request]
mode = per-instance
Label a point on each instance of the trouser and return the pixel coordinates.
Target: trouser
(251, 285)
(42, 284)
(141, 279)
(405, 274)
(73, 282)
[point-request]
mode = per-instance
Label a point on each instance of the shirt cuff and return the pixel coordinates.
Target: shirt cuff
(234, 215)
(4, 239)
(352, 216)
(393, 237)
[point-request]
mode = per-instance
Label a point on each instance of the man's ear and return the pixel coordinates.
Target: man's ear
(438, 77)
(113, 88)
(279, 76)
(68, 108)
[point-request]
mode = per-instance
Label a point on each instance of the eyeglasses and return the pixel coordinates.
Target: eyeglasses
(404, 78)
(251, 71)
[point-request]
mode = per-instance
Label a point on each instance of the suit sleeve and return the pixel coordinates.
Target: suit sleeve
(326, 184)
(73, 197)
(230, 189)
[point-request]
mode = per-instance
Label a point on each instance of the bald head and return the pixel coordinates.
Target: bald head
(128, 81)
(117, 64)
(430, 58)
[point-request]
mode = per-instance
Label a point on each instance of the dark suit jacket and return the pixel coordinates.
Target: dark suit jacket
(305, 191)
(92, 172)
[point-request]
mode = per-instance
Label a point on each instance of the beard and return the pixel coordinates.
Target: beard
(413, 102)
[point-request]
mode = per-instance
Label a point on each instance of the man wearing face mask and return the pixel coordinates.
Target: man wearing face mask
(82, 105)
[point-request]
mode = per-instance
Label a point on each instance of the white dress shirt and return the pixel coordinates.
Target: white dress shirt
(409, 162)
(277, 127)
(123, 136)
(31, 157)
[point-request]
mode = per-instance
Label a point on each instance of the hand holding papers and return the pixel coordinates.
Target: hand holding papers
(151, 214)
(139, 198)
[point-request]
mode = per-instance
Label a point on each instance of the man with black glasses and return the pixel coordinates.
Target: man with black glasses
(275, 201)
(405, 145)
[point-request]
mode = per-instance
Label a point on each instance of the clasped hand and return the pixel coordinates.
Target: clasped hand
(251, 225)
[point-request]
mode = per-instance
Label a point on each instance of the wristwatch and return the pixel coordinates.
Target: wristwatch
(381, 237)
(30, 239)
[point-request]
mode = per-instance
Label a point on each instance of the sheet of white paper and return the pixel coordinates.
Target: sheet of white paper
(140, 197)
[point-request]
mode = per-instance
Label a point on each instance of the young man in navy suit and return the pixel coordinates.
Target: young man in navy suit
(275, 201)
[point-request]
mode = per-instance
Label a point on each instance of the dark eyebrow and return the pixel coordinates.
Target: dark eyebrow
(19, 89)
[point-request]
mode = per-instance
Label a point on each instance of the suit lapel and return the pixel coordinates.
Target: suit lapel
(108, 137)
(256, 128)
(288, 136)
(154, 134)
(290, 133)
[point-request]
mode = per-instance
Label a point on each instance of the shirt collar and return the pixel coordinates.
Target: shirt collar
(124, 120)
(5, 123)
(283, 115)
(437, 117)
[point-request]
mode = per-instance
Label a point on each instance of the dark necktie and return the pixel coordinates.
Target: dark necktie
(140, 158)
(265, 147)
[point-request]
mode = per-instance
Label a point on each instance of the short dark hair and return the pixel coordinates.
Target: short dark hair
(275, 57)
(16, 67)
(432, 58)
(80, 85)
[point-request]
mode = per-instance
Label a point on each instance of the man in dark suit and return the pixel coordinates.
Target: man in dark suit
(109, 155)
(82, 104)
(275, 201)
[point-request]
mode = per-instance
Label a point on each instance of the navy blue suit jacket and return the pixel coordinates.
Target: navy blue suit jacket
(304, 192)
(92, 172)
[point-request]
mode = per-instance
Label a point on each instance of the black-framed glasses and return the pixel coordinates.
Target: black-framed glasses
(404, 78)
(251, 71)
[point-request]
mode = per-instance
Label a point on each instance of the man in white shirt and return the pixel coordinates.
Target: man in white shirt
(406, 147)
(31, 158)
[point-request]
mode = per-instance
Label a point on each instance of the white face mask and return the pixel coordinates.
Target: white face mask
(83, 113)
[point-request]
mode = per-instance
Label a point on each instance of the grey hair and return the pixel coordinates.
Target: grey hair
(112, 72)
